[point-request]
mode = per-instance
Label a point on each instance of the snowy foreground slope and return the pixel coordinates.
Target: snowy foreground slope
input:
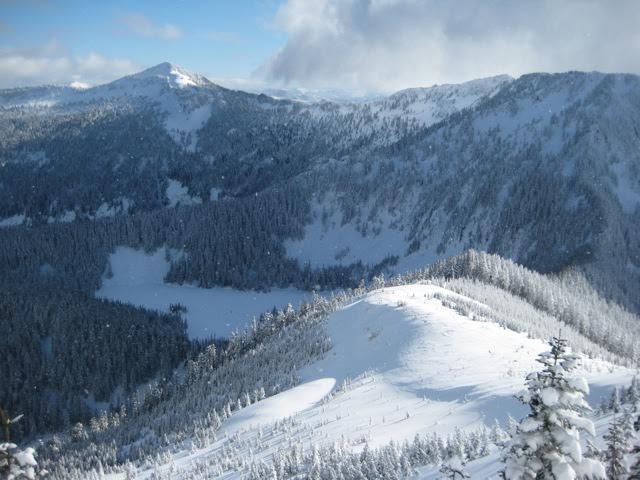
(401, 364)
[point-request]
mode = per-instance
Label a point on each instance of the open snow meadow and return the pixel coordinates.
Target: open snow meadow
(137, 278)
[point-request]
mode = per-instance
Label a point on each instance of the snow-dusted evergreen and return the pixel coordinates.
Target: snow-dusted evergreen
(16, 463)
(453, 469)
(547, 441)
(617, 438)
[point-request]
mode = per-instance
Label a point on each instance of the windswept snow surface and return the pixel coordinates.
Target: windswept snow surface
(441, 368)
(138, 278)
(281, 406)
(404, 364)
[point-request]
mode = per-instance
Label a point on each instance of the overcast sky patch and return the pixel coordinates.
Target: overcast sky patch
(392, 44)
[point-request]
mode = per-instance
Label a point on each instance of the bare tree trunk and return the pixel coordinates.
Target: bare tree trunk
(4, 418)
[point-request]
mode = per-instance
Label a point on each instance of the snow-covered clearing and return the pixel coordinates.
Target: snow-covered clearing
(329, 242)
(138, 278)
(181, 123)
(624, 188)
(12, 221)
(178, 194)
(280, 406)
(339, 244)
(404, 364)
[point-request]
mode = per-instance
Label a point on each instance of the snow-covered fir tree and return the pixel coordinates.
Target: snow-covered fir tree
(16, 463)
(453, 469)
(615, 403)
(633, 394)
(547, 442)
(617, 439)
(634, 470)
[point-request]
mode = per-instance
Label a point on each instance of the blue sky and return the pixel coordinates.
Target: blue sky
(220, 38)
(363, 45)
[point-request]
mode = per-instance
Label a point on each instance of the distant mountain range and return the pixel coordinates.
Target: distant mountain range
(543, 169)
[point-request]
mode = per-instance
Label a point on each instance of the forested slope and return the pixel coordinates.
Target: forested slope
(543, 170)
(401, 355)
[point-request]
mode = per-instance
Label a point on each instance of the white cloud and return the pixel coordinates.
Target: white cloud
(54, 64)
(141, 25)
(393, 44)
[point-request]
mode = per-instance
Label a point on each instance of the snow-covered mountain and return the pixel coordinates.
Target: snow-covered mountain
(238, 141)
(540, 172)
(248, 192)
(430, 105)
(149, 83)
(396, 363)
(542, 169)
(185, 102)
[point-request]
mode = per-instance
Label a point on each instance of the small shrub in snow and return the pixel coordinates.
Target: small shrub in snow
(16, 463)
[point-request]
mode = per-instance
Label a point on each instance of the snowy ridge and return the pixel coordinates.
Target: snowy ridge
(384, 121)
(432, 104)
(174, 76)
(149, 83)
(188, 99)
(404, 365)
(184, 98)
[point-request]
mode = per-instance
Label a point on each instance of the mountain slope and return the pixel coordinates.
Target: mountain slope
(401, 364)
(170, 124)
(545, 172)
(542, 169)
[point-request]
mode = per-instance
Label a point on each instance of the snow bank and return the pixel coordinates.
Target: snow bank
(278, 407)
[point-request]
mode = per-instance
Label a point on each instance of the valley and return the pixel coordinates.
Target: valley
(201, 282)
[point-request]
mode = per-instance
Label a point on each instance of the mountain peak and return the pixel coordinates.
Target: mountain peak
(174, 75)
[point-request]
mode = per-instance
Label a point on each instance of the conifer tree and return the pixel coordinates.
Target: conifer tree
(633, 394)
(617, 447)
(634, 471)
(15, 463)
(547, 442)
(615, 403)
(453, 469)
(593, 451)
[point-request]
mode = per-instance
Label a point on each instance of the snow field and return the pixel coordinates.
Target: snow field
(402, 364)
(138, 278)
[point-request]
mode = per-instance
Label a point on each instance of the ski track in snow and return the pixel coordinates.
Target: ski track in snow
(410, 365)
